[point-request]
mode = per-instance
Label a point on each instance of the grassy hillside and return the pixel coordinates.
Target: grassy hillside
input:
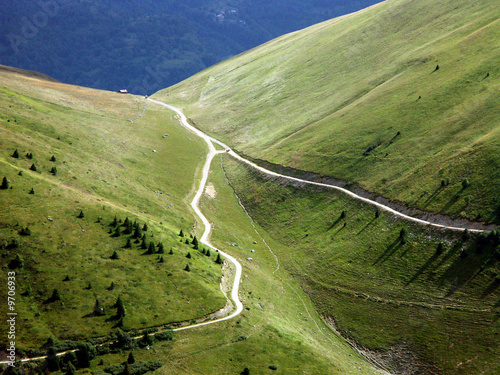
(401, 98)
(107, 168)
(421, 300)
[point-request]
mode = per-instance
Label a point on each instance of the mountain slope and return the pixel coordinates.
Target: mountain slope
(400, 98)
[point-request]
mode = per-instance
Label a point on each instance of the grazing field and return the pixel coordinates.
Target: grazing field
(400, 99)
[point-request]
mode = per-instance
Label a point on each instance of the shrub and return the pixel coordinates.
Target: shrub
(465, 183)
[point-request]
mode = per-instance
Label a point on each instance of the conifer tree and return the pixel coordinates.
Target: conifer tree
(161, 249)
(145, 227)
(70, 369)
(137, 232)
(161, 260)
(55, 296)
(188, 255)
(32, 191)
(120, 308)
(187, 268)
(181, 233)
(53, 170)
(118, 231)
(171, 252)
(219, 259)
(207, 253)
(128, 245)
(115, 255)
(33, 167)
(5, 183)
(194, 242)
(151, 248)
(131, 359)
(144, 244)
(15, 154)
(98, 309)
(53, 158)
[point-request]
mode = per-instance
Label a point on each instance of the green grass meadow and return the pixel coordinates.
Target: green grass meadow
(359, 98)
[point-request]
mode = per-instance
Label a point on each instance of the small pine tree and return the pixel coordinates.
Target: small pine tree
(186, 242)
(187, 268)
(53, 158)
(171, 252)
(81, 215)
(181, 233)
(70, 369)
(25, 231)
(151, 248)
(188, 255)
(131, 359)
(5, 184)
(118, 231)
(112, 286)
(194, 242)
(29, 155)
(137, 232)
(120, 308)
(465, 235)
(440, 248)
(128, 245)
(115, 255)
(161, 260)
(377, 213)
(66, 278)
(15, 154)
(342, 214)
(219, 259)
(55, 296)
(53, 170)
(207, 253)
(32, 191)
(145, 227)
(114, 223)
(98, 309)
(33, 167)
(144, 244)
(161, 248)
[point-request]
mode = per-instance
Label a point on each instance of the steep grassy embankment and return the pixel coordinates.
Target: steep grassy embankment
(401, 98)
(425, 300)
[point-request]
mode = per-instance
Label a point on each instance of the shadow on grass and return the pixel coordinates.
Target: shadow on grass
(491, 289)
(434, 195)
(366, 226)
(335, 223)
(391, 249)
(475, 258)
(422, 269)
(454, 199)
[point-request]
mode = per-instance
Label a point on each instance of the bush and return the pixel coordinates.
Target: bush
(465, 183)
(164, 336)
(17, 262)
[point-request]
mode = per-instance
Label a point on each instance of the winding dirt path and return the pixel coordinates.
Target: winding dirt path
(299, 180)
